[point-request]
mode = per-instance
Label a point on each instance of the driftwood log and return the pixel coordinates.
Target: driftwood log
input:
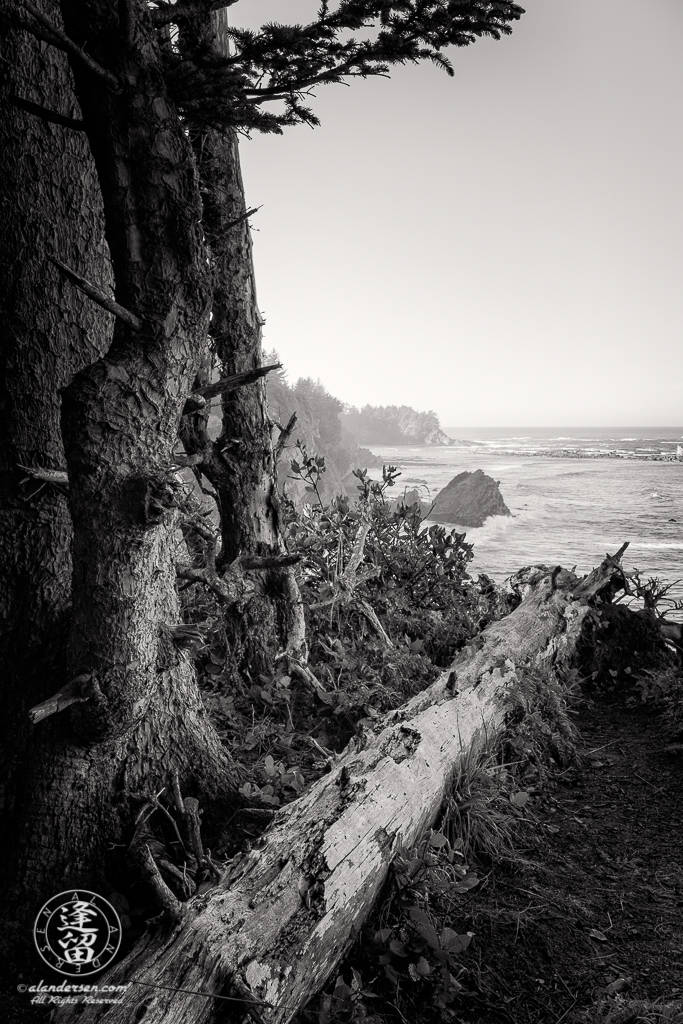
(277, 924)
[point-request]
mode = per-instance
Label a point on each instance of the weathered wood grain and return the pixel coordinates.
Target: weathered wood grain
(278, 923)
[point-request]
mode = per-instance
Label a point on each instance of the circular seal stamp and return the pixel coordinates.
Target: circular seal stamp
(77, 932)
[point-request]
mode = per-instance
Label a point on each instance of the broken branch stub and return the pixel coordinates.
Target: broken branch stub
(197, 401)
(76, 690)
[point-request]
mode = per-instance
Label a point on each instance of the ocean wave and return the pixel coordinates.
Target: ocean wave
(663, 545)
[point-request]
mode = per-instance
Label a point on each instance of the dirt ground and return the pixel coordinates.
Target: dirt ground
(590, 921)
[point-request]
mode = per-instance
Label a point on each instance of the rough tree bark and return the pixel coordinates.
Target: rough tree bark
(276, 925)
(50, 205)
(143, 720)
(240, 464)
(120, 423)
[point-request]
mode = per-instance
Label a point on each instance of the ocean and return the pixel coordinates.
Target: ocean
(574, 494)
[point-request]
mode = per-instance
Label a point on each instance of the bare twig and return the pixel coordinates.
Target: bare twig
(657, 789)
(243, 216)
(185, 883)
(559, 1019)
(205, 995)
(99, 296)
(174, 826)
(63, 42)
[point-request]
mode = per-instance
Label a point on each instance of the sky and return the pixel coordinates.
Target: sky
(504, 247)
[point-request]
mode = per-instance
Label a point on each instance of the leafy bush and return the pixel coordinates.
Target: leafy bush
(377, 552)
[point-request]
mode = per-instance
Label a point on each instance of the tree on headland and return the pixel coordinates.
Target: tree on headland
(121, 174)
(393, 424)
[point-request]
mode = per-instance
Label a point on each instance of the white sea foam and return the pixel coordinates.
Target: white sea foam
(660, 546)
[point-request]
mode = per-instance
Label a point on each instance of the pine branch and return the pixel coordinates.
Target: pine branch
(282, 62)
(47, 115)
(100, 297)
(62, 41)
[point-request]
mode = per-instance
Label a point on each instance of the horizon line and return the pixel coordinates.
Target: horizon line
(565, 426)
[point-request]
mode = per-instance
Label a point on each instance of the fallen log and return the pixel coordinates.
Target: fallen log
(276, 925)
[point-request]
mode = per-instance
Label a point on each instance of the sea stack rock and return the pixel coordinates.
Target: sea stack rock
(468, 500)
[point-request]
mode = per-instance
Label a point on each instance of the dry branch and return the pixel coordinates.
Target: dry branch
(48, 476)
(79, 689)
(198, 399)
(99, 296)
(54, 35)
(237, 380)
(47, 115)
(233, 587)
(285, 434)
(228, 590)
(243, 216)
(278, 927)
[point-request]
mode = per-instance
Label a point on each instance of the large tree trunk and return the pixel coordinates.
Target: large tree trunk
(240, 465)
(50, 206)
(141, 720)
(245, 481)
(278, 923)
